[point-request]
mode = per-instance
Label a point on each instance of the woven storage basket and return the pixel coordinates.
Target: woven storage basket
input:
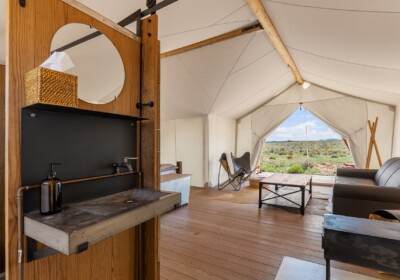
(47, 86)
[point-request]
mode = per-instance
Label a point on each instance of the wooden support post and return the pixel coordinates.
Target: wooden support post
(150, 141)
(20, 36)
(2, 165)
(369, 154)
(213, 40)
(372, 143)
(378, 154)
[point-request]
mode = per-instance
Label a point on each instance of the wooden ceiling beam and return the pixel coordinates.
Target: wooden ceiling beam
(219, 38)
(258, 9)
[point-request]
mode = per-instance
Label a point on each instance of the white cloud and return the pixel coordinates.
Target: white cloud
(305, 131)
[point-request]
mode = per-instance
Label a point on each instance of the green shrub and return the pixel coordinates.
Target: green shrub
(289, 156)
(314, 171)
(271, 157)
(296, 169)
(271, 169)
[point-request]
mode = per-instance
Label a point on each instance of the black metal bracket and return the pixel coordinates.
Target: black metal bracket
(156, 7)
(257, 24)
(82, 247)
(22, 3)
(152, 6)
(34, 254)
(150, 3)
(142, 105)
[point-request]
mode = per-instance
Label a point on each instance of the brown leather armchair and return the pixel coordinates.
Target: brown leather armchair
(360, 192)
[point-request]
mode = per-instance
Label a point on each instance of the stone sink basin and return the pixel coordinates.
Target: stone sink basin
(83, 224)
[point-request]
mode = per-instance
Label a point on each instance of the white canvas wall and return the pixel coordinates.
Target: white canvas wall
(167, 142)
(198, 143)
(221, 139)
(183, 140)
(244, 133)
(396, 136)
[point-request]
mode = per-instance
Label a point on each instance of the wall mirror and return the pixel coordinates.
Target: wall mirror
(98, 64)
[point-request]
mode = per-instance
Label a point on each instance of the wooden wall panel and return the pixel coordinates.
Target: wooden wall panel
(20, 36)
(2, 163)
(150, 148)
(29, 32)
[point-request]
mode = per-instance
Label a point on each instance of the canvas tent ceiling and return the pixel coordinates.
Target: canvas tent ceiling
(348, 46)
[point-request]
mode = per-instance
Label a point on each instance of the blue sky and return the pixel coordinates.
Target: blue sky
(294, 128)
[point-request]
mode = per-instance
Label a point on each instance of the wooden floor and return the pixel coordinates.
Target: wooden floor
(213, 239)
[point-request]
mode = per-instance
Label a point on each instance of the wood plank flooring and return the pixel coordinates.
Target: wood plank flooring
(214, 239)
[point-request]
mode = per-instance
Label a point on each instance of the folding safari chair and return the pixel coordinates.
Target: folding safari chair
(241, 167)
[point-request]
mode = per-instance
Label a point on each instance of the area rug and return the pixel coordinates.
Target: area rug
(247, 195)
(295, 269)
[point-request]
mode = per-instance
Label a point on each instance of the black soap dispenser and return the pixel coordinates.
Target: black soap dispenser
(50, 193)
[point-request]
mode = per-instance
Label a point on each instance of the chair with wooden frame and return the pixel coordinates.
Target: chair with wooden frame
(241, 167)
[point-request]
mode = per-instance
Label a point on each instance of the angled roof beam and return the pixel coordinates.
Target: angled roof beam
(258, 9)
(79, 6)
(241, 31)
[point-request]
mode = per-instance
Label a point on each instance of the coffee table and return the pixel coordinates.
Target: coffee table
(283, 194)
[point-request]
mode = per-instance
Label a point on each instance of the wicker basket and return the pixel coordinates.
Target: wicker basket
(47, 86)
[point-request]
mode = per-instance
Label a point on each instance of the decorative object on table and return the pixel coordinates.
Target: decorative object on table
(241, 167)
(282, 194)
(51, 193)
(360, 192)
(368, 243)
(372, 143)
(49, 85)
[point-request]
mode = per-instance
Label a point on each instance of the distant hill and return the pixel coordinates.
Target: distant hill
(299, 141)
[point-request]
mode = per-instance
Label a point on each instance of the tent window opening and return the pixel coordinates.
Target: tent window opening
(304, 144)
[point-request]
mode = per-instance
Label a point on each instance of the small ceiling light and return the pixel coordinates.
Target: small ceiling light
(305, 85)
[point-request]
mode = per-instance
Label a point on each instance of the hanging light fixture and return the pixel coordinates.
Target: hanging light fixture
(305, 85)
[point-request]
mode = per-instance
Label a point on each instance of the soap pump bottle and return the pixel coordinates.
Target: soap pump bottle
(50, 193)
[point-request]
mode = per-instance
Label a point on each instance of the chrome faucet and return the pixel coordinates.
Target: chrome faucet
(124, 166)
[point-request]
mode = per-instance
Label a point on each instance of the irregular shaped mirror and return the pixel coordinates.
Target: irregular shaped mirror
(98, 65)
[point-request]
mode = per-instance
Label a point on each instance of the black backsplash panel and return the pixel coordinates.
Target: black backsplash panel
(85, 145)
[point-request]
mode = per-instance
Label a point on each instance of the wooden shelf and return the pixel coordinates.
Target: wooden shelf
(70, 110)
(83, 224)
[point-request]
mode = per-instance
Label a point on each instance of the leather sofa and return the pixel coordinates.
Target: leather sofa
(360, 192)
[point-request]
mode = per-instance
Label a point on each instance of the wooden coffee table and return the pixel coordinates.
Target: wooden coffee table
(283, 194)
